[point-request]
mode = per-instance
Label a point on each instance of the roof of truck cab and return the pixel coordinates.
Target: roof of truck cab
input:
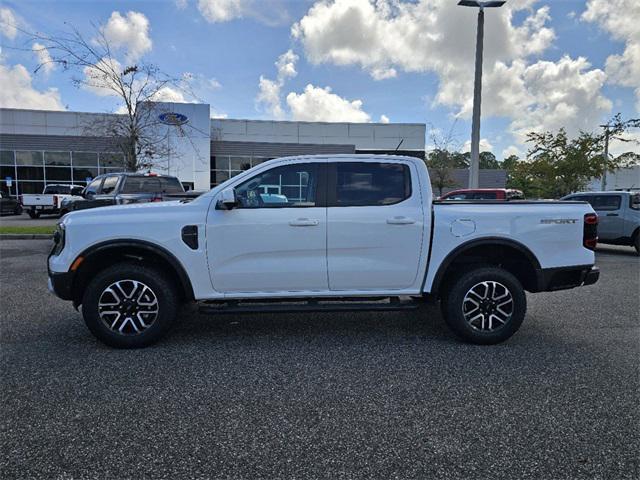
(349, 156)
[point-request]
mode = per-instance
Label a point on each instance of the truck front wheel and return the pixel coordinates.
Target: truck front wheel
(130, 305)
(485, 306)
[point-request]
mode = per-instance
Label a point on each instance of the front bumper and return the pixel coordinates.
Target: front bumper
(562, 278)
(61, 284)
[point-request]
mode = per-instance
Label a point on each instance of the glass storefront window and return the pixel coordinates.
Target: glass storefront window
(31, 187)
(58, 174)
(31, 173)
(219, 176)
(7, 171)
(6, 157)
(84, 159)
(111, 160)
(29, 158)
(239, 163)
(80, 175)
(220, 163)
(57, 158)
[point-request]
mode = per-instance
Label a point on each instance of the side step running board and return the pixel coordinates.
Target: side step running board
(320, 305)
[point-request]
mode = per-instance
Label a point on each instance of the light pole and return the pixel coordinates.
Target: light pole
(605, 156)
(474, 168)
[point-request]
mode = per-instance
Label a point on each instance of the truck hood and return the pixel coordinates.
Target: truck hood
(130, 214)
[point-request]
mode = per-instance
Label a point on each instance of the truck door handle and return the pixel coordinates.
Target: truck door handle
(304, 222)
(400, 221)
(612, 214)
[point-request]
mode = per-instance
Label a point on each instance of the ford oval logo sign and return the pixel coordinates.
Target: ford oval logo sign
(171, 118)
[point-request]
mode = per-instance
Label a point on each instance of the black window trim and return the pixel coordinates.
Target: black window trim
(321, 186)
(332, 183)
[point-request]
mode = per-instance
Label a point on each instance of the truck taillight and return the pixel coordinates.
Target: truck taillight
(590, 235)
(55, 200)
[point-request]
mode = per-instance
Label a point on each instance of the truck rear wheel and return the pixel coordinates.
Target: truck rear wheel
(129, 305)
(485, 306)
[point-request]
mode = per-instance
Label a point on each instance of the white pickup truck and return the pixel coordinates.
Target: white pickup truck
(50, 200)
(343, 232)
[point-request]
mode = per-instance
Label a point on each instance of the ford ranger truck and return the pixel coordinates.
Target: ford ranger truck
(320, 233)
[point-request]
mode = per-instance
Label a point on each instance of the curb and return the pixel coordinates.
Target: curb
(25, 236)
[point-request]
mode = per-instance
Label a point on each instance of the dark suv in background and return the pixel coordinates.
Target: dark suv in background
(125, 188)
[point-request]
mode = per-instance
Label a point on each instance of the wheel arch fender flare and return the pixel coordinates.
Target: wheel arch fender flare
(480, 242)
(123, 244)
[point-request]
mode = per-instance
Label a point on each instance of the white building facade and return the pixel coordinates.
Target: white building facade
(43, 147)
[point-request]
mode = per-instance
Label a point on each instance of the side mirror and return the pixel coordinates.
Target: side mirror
(227, 199)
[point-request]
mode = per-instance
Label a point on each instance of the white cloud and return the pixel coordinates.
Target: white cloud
(18, 92)
(102, 80)
(221, 10)
(269, 90)
(130, 32)
(181, 4)
(269, 96)
(286, 65)
(511, 150)
(9, 23)
(269, 12)
(384, 119)
(44, 59)
(485, 146)
(317, 104)
(620, 19)
(385, 37)
(383, 73)
(170, 94)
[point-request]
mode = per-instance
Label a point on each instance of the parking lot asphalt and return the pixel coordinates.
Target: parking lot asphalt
(335, 396)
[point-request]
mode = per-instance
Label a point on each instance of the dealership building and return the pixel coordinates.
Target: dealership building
(40, 147)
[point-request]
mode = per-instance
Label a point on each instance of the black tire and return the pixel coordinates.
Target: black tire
(33, 214)
(18, 210)
(163, 290)
(454, 304)
(636, 243)
(63, 213)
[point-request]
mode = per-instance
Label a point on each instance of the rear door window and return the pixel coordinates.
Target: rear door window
(360, 184)
(606, 202)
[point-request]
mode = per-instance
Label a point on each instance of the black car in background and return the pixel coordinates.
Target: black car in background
(126, 188)
(9, 205)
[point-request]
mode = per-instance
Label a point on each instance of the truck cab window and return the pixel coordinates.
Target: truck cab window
(94, 187)
(286, 186)
(109, 185)
(369, 183)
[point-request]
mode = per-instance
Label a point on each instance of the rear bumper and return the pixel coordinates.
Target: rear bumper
(562, 278)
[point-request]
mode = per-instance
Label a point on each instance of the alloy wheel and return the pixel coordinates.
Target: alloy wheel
(128, 307)
(487, 306)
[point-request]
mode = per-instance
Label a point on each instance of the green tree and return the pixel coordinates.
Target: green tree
(488, 161)
(558, 165)
(441, 163)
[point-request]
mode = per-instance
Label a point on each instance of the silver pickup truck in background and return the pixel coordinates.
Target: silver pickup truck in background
(618, 216)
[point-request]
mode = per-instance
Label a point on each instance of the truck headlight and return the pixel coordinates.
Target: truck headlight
(58, 239)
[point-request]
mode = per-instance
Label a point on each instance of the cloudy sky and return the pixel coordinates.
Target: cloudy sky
(548, 64)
